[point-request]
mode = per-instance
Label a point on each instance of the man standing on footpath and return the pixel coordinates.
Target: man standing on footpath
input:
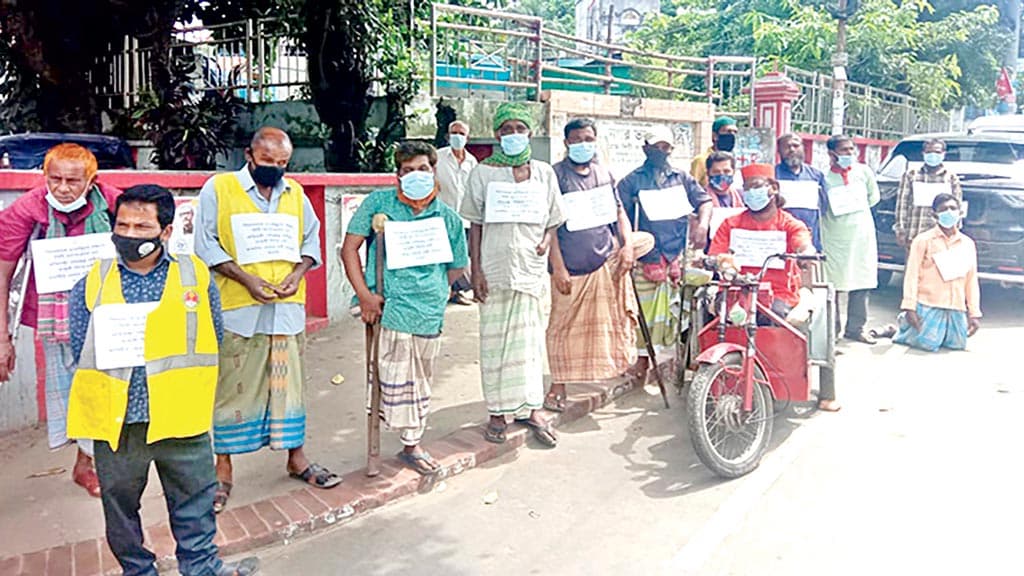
(411, 313)
(723, 139)
(513, 207)
(258, 232)
(71, 204)
(591, 333)
(918, 188)
(659, 199)
(153, 404)
(848, 234)
(454, 165)
(802, 186)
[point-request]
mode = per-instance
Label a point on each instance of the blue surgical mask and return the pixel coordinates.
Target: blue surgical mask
(582, 152)
(417, 185)
(845, 161)
(458, 141)
(757, 198)
(515, 144)
(949, 218)
(933, 159)
(720, 181)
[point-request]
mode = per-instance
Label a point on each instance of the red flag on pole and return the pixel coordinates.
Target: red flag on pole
(1004, 89)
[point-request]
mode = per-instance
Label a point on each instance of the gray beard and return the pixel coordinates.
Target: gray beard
(794, 163)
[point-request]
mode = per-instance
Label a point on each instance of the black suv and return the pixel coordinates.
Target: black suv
(991, 171)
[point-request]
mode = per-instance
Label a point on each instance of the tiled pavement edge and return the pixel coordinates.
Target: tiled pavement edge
(282, 518)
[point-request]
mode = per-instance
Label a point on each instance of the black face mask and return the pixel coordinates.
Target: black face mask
(726, 142)
(266, 175)
(658, 158)
(135, 249)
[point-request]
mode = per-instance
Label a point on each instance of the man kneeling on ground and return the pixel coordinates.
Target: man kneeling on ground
(941, 299)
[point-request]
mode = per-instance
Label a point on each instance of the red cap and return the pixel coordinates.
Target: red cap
(766, 171)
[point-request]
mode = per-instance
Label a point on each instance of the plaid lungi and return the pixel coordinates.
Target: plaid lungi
(406, 372)
(592, 331)
(512, 352)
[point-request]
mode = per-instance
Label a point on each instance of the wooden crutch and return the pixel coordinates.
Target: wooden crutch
(645, 331)
(373, 357)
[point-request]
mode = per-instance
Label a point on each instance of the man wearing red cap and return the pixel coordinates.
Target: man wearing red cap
(761, 224)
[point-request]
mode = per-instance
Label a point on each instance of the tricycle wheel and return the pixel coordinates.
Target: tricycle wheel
(727, 440)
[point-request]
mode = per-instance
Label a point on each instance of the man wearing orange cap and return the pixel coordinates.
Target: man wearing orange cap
(70, 203)
(763, 223)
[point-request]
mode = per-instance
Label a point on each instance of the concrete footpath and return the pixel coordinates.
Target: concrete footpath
(50, 525)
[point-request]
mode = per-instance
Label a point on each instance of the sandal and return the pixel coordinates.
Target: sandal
(421, 462)
(554, 402)
(862, 337)
(317, 475)
(495, 434)
(220, 497)
(544, 433)
(90, 481)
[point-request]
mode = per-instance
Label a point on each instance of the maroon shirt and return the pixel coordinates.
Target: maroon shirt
(18, 220)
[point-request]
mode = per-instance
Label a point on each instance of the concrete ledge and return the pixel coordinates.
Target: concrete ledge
(282, 518)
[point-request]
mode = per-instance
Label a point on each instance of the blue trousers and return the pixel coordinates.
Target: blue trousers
(185, 467)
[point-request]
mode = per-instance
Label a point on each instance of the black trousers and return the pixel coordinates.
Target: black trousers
(185, 467)
(856, 313)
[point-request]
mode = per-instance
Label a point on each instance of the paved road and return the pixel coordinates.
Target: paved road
(919, 474)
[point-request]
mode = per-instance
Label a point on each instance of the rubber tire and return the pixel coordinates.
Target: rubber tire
(695, 420)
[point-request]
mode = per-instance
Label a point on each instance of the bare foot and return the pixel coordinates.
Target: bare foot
(829, 406)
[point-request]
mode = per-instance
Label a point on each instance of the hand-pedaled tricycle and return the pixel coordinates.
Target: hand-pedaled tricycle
(748, 362)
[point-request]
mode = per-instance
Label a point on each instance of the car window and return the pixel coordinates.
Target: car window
(909, 152)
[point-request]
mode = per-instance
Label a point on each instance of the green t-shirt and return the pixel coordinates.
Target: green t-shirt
(414, 298)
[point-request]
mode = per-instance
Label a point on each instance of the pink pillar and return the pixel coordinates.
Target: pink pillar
(774, 94)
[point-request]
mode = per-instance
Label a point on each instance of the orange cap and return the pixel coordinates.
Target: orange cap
(766, 171)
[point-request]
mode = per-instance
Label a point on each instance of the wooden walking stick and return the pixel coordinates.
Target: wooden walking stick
(645, 331)
(19, 290)
(373, 357)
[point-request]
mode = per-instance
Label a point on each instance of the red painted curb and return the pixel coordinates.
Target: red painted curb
(285, 517)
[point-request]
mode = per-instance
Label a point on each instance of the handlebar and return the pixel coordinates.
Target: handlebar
(711, 263)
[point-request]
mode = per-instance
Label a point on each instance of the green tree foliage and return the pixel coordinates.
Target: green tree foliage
(945, 53)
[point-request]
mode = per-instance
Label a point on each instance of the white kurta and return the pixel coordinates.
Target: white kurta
(851, 248)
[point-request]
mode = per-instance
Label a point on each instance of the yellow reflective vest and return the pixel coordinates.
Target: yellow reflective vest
(231, 200)
(180, 353)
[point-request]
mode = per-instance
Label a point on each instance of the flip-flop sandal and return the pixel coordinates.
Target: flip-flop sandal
(220, 497)
(495, 434)
(420, 462)
(318, 476)
(554, 403)
(544, 434)
(90, 481)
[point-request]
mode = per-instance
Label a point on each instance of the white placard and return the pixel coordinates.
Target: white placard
(59, 263)
(120, 334)
(953, 263)
(183, 234)
(511, 202)
(925, 192)
(848, 199)
(416, 243)
(719, 215)
(800, 194)
(590, 208)
(753, 247)
(665, 204)
(963, 211)
(265, 237)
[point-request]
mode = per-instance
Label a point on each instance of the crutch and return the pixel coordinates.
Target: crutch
(644, 330)
(22, 274)
(373, 357)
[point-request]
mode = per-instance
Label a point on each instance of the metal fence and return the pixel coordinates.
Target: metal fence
(251, 58)
(487, 53)
(870, 112)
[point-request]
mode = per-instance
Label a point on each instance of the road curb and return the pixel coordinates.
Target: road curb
(282, 518)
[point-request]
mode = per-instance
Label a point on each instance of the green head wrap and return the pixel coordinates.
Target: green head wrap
(511, 111)
(723, 121)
